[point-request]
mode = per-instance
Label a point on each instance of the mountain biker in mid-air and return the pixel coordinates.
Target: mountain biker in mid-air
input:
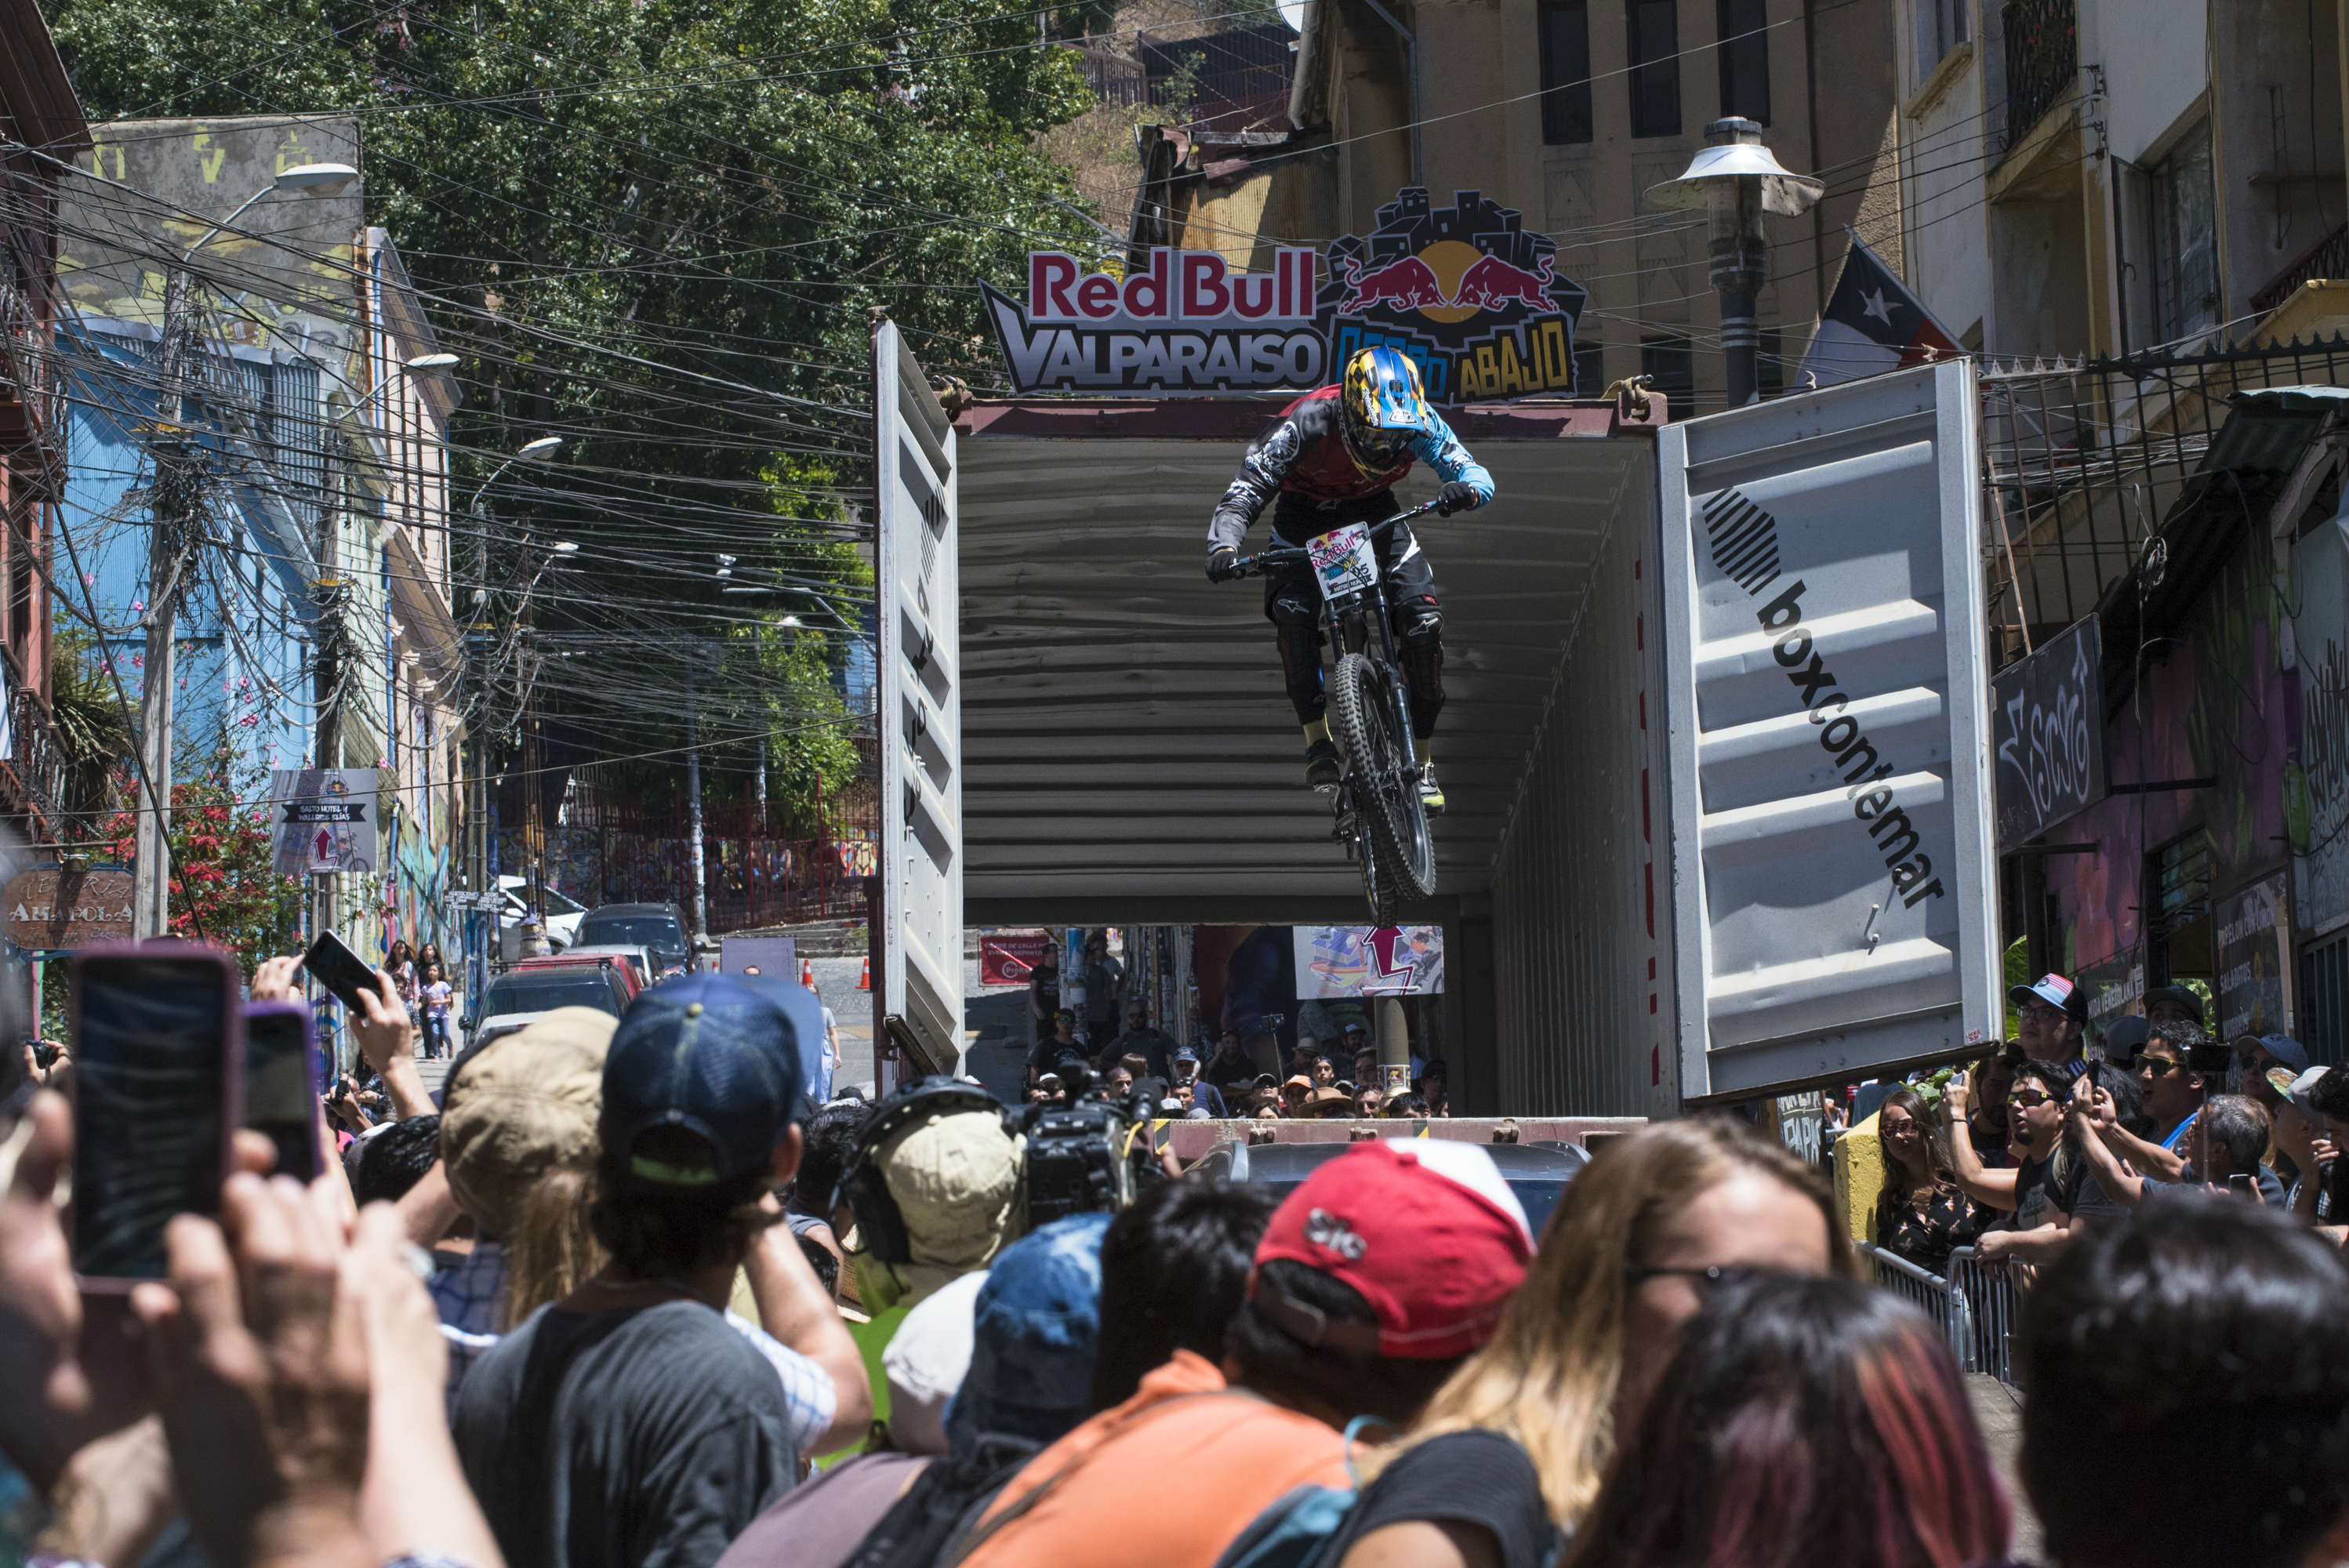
(1334, 458)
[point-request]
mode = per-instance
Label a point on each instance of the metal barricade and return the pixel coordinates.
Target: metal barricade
(1927, 1292)
(1991, 1304)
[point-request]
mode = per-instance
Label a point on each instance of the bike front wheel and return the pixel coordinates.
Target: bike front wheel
(1397, 848)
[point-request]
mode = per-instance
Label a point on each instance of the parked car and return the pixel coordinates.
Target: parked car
(658, 926)
(562, 916)
(641, 959)
(537, 986)
(1536, 1172)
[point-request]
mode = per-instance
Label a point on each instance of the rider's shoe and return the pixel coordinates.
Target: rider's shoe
(1321, 765)
(1431, 793)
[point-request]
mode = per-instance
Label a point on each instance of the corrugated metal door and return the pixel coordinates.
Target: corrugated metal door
(920, 700)
(1834, 863)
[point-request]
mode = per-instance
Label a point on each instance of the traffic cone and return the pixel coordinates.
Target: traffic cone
(865, 976)
(807, 973)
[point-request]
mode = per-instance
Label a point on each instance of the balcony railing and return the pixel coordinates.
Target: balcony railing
(2043, 61)
(2328, 258)
(36, 761)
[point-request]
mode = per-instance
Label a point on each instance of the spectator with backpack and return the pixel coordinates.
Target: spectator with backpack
(1376, 1276)
(1035, 1324)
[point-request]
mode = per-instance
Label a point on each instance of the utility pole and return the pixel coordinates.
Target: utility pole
(173, 511)
(693, 796)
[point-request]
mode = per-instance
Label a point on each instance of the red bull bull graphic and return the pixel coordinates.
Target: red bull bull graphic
(1465, 291)
(1185, 323)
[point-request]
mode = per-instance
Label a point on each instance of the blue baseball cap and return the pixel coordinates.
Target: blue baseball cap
(709, 1056)
(1186, 1054)
(2287, 1050)
(1035, 1328)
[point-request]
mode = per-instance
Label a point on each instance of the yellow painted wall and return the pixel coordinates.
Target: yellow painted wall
(1859, 1178)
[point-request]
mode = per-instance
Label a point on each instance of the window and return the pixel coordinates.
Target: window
(1655, 68)
(2185, 264)
(2177, 898)
(1669, 360)
(1745, 55)
(1940, 27)
(2324, 1020)
(1566, 71)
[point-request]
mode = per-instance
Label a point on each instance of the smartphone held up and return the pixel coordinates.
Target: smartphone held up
(159, 1086)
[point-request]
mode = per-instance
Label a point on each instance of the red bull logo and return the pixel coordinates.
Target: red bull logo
(1465, 291)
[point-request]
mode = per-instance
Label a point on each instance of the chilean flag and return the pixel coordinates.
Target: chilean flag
(1873, 323)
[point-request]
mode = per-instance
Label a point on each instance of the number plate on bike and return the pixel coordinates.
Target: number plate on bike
(1343, 563)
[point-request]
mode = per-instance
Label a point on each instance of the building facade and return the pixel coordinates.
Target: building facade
(1569, 111)
(42, 122)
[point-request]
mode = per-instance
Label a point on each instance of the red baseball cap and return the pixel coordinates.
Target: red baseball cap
(1424, 1228)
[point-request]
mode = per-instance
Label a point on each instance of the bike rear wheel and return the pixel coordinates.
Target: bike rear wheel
(1397, 848)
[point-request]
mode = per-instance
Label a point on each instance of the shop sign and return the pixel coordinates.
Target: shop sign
(2115, 988)
(2047, 713)
(1465, 291)
(57, 911)
(1185, 322)
(2254, 946)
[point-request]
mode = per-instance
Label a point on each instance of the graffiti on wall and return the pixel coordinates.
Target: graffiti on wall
(2215, 702)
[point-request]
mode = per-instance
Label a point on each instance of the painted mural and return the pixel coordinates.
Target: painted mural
(2215, 701)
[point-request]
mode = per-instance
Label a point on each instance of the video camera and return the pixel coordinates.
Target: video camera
(1087, 1154)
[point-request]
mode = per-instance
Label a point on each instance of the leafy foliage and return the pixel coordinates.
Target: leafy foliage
(224, 886)
(657, 229)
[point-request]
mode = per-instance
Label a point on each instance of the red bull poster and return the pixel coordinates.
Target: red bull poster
(1465, 291)
(1184, 323)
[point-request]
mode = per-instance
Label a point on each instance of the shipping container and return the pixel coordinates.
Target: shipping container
(1624, 763)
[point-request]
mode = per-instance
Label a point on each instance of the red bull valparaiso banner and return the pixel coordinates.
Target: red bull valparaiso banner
(1464, 290)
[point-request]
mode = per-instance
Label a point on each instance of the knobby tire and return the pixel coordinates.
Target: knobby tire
(1398, 854)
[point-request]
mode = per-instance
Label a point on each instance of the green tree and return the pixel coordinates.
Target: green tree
(657, 229)
(224, 884)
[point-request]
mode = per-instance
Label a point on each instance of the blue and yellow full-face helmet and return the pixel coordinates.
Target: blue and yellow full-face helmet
(1381, 407)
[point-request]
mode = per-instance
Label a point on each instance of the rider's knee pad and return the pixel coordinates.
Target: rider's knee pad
(1419, 618)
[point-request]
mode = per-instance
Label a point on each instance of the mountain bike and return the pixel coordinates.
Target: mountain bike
(1380, 816)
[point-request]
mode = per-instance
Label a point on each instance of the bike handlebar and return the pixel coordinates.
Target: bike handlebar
(1265, 559)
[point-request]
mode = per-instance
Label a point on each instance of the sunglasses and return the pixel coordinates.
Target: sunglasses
(2157, 1066)
(2024, 1099)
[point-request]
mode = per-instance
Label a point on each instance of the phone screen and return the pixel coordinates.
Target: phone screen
(280, 1102)
(151, 1098)
(339, 970)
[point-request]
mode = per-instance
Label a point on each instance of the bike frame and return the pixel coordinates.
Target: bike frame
(1343, 621)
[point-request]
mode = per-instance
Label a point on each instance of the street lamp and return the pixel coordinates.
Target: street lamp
(1736, 180)
(327, 177)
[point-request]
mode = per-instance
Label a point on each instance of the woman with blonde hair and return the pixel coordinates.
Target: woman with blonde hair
(1518, 1441)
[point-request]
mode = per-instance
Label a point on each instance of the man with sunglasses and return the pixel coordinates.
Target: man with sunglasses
(1333, 457)
(2054, 1014)
(2029, 1193)
(2174, 1088)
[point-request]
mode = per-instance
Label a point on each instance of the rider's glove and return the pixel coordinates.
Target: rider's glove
(1458, 495)
(1223, 563)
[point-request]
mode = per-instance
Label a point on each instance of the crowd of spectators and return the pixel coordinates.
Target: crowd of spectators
(630, 1295)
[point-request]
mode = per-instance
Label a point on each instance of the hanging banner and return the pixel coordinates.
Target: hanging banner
(2254, 949)
(1009, 957)
(1335, 961)
(2316, 781)
(1184, 323)
(2047, 713)
(324, 819)
(1465, 291)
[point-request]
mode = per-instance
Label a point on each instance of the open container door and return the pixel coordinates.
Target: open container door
(1834, 864)
(918, 1005)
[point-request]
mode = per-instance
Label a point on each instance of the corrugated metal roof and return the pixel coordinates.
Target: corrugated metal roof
(2267, 430)
(1128, 752)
